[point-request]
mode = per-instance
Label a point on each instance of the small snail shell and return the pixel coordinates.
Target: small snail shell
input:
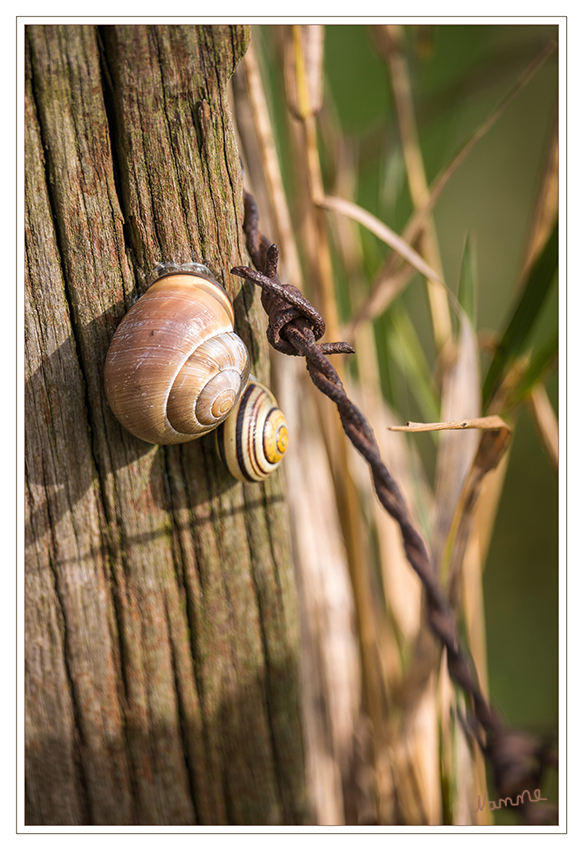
(175, 368)
(252, 440)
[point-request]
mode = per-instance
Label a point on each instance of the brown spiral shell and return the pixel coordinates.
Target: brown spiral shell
(175, 368)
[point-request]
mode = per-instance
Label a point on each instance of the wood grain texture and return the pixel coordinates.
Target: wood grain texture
(161, 621)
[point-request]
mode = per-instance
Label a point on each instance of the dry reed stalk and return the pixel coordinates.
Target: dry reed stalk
(392, 47)
(473, 559)
(459, 389)
(331, 666)
(471, 605)
(462, 565)
(402, 591)
(418, 734)
(303, 57)
(303, 67)
(411, 719)
(546, 423)
(413, 748)
(380, 229)
(472, 608)
(254, 126)
(411, 725)
(539, 405)
(472, 590)
(547, 205)
(411, 736)
(461, 498)
(461, 398)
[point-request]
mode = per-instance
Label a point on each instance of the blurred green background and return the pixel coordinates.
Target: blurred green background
(458, 74)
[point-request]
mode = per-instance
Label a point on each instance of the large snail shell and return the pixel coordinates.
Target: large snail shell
(252, 440)
(175, 368)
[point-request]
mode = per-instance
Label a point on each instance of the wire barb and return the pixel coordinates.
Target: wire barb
(295, 328)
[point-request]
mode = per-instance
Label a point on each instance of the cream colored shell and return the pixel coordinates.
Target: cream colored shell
(175, 368)
(253, 439)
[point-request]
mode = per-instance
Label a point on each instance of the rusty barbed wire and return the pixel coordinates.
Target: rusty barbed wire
(294, 329)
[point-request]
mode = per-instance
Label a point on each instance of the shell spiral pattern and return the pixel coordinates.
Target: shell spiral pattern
(175, 368)
(253, 439)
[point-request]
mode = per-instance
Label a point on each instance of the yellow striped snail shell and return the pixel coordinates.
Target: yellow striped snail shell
(175, 368)
(252, 440)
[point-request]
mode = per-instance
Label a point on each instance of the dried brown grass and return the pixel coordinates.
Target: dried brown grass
(385, 734)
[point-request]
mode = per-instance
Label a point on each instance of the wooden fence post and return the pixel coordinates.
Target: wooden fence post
(161, 622)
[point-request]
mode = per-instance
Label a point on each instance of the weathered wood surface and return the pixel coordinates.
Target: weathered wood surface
(161, 623)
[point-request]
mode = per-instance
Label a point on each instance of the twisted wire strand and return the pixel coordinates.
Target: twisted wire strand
(294, 329)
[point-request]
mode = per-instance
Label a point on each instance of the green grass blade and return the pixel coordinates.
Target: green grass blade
(541, 363)
(468, 283)
(525, 314)
(407, 354)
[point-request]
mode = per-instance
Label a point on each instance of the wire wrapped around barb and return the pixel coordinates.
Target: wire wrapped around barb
(295, 328)
(284, 304)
